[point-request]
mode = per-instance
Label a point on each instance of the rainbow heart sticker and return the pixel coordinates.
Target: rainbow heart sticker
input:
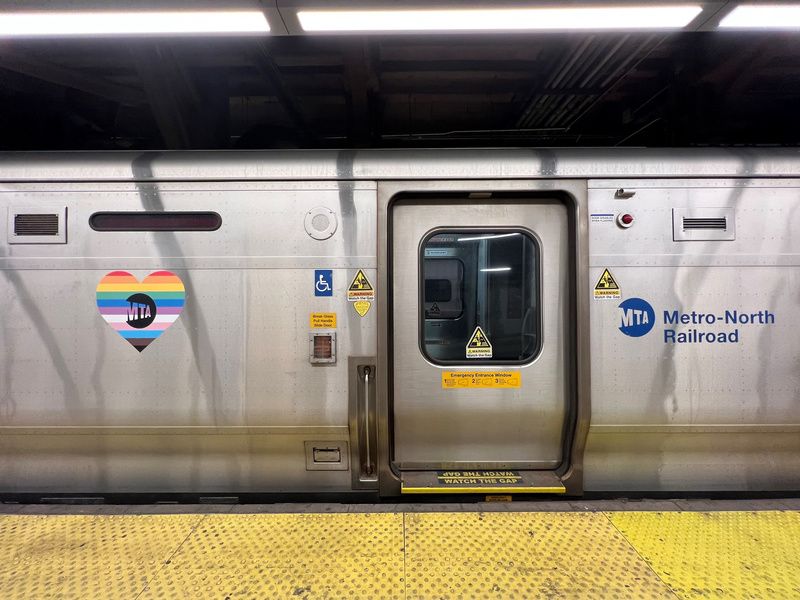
(140, 312)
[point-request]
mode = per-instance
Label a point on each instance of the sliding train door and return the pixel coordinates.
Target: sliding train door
(480, 343)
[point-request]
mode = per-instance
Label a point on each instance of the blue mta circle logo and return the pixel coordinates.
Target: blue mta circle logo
(637, 317)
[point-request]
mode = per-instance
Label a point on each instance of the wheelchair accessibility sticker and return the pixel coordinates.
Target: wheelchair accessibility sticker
(323, 282)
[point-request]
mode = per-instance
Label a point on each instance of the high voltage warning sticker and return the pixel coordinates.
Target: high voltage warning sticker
(360, 289)
(479, 345)
(606, 287)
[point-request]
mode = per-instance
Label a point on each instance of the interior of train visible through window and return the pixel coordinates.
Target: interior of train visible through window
(481, 279)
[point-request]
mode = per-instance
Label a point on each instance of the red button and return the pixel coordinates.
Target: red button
(627, 219)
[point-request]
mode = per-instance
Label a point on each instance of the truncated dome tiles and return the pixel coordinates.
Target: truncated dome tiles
(140, 311)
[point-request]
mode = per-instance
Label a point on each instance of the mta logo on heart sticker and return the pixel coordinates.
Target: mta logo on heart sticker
(140, 312)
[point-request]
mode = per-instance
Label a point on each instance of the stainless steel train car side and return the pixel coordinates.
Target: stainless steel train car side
(392, 322)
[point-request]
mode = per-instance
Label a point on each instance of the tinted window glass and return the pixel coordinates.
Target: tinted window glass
(481, 297)
(444, 282)
(438, 290)
(155, 221)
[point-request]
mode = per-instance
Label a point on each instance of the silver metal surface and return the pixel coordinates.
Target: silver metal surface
(132, 461)
(749, 461)
(577, 429)
(17, 210)
(579, 363)
(232, 361)
(421, 164)
(708, 224)
(696, 415)
(368, 466)
(363, 422)
(437, 428)
(225, 399)
(326, 456)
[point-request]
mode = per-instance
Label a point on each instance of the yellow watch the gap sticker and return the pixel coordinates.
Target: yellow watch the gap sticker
(481, 379)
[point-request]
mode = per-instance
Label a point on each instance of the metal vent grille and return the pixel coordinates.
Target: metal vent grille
(31, 224)
(36, 224)
(704, 224)
(690, 223)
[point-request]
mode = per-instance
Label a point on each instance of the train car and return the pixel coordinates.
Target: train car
(384, 323)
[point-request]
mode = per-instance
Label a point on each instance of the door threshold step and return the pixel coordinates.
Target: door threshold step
(481, 481)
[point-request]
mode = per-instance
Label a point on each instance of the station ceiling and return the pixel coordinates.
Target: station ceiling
(685, 88)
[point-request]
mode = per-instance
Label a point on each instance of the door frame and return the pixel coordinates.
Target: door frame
(575, 194)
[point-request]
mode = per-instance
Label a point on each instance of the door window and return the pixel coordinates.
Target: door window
(480, 297)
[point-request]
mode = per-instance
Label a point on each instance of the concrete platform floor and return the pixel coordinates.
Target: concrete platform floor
(533, 549)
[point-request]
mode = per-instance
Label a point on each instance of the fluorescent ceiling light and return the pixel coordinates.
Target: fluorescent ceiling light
(502, 19)
(77, 23)
(763, 16)
(495, 269)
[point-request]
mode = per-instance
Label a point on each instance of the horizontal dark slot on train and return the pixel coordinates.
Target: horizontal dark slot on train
(155, 221)
(36, 224)
(707, 223)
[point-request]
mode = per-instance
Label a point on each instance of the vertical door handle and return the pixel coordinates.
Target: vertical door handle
(367, 452)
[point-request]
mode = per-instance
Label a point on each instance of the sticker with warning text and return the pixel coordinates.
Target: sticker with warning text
(479, 345)
(360, 289)
(479, 478)
(453, 380)
(606, 287)
(323, 320)
(362, 307)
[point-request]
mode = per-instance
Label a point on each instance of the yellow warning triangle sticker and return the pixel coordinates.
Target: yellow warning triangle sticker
(360, 289)
(607, 287)
(606, 282)
(360, 283)
(479, 345)
(479, 339)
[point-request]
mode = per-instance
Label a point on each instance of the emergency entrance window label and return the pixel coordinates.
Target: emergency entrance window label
(480, 379)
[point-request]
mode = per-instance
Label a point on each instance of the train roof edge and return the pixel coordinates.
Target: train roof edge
(399, 164)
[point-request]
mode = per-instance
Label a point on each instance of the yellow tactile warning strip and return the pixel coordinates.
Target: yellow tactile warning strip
(719, 554)
(287, 556)
(523, 555)
(396, 555)
(85, 556)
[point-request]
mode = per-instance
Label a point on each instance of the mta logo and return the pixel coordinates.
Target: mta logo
(637, 317)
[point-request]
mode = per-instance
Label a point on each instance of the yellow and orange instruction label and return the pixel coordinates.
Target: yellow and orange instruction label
(323, 321)
(481, 379)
